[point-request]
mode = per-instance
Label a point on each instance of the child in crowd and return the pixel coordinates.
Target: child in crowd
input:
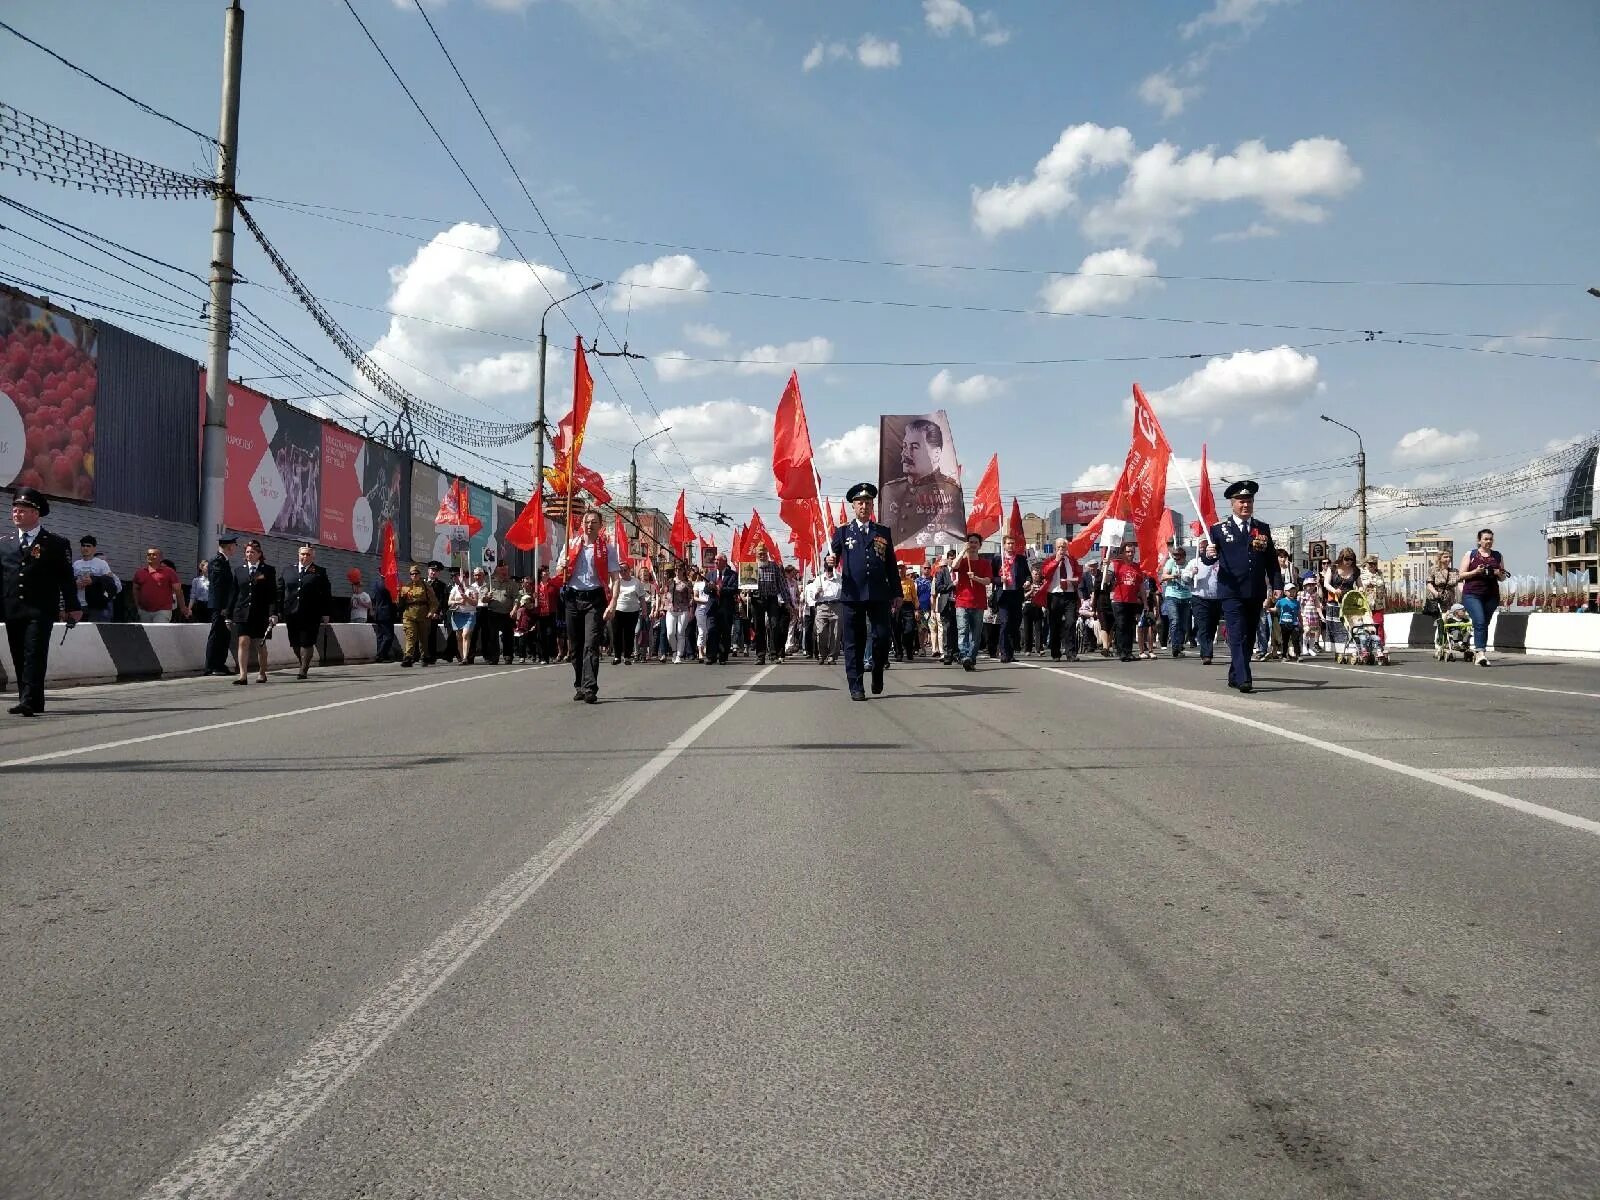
(1311, 615)
(1286, 625)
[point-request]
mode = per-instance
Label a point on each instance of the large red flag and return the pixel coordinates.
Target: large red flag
(793, 473)
(984, 517)
(527, 531)
(564, 475)
(1114, 506)
(844, 515)
(757, 531)
(1208, 502)
(1164, 534)
(456, 509)
(736, 554)
(624, 551)
(1146, 475)
(1014, 526)
(682, 535)
(389, 566)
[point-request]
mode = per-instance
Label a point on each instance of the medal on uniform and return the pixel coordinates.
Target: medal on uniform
(849, 543)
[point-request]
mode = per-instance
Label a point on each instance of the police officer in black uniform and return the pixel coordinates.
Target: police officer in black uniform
(868, 584)
(37, 585)
(224, 592)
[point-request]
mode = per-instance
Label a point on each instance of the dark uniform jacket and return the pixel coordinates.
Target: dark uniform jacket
(1245, 571)
(307, 595)
(224, 588)
(1020, 576)
(255, 600)
(38, 584)
(867, 574)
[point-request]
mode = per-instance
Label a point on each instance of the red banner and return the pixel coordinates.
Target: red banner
(346, 515)
(1079, 508)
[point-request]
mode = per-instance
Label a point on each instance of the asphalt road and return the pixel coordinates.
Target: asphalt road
(1106, 931)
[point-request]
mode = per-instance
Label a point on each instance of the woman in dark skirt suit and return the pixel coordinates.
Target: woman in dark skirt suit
(255, 612)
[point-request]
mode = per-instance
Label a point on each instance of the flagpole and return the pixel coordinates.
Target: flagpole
(1184, 479)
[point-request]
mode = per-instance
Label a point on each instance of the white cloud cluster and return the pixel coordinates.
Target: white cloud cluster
(1429, 445)
(945, 388)
(1171, 89)
(1241, 14)
(1104, 475)
(710, 430)
(1262, 384)
(1103, 280)
(676, 365)
(453, 280)
(855, 450)
(670, 279)
(1080, 148)
(707, 335)
(1163, 90)
(871, 52)
(945, 17)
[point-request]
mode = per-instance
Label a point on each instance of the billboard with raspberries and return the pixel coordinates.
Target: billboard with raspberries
(47, 389)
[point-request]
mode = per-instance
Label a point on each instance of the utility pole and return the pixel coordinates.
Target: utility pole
(539, 424)
(1361, 488)
(633, 475)
(214, 442)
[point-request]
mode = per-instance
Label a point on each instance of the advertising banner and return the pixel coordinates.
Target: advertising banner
(346, 516)
(385, 484)
(427, 490)
(480, 502)
(1079, 508)
(505, 512)
(274, 471)
(919, 496)
(47, 399)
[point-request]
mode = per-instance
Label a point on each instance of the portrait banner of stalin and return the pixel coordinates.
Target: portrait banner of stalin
(919, 493)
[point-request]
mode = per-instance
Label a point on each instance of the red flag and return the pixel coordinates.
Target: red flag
(983, 518)
(791, 446)
(1208, 502)
(757, 531)
(527, 531)
(456, 509)
(624, 551)
(1014, 526)
(736, 553)
(844, 515)
(1197, 529)
(1146, 473)
(1164, 534)
(565, 475)
(682, 535)
(390, 564)
(1114, 505)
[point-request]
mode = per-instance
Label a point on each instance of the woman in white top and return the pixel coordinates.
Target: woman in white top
(627, 599)
(702, 605)
(1201, 576)
(463, 613)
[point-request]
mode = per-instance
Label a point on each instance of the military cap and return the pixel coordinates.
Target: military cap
(861, 491)
(435, 564)
(1241, 487)
(32, 499)
(228, 539)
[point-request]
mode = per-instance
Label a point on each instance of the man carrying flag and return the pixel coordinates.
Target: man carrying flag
(591, 567)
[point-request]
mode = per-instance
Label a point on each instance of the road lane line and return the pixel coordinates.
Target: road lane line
(220, 1165)
(1522, 772)
(1554, 815)
(56, 755)
(1391, 673)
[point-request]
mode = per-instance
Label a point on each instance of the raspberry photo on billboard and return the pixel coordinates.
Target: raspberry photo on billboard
(47, 390)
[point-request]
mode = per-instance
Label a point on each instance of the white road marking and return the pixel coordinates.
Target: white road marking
(1427, 776)
(74, 752)
(1522, 772)
(218, 1167)
(1390, 673)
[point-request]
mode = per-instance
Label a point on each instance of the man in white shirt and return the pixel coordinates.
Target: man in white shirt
(97, 584)
(1061, 601)
(592, 566)
(824, 595)
(1201, 576)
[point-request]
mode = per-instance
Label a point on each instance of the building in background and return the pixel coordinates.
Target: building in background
(1036, 530)
(1423, 547)
(1572, 539)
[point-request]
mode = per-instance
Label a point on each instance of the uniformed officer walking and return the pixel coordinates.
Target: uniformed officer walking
(219, 577)
(867, 585)
(1247, 569)
(37, 585)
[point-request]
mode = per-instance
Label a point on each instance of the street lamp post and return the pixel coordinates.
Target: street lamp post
(1361, 487)
(633, 475)
(539, 431)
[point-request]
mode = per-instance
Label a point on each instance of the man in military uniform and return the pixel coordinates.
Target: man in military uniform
(1247, 570)
(923, 505)
(307, 606)
(219, 575)
(867, 586)
(36, 585)
(419, 606)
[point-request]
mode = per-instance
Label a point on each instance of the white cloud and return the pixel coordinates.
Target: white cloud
(1104, 280)
(1256, 229)
(454, 279)
(1430, 445)
(712, 430)
(823, 53)
(1261, 383)
(945, 17)
(945, 388)
(991, 32)
(707, 335)
(1087, 147)
(676, 365)
(1217, 468)
(874, 53)
(751, 475)
(1164, 187)
(856, 450)
(1101, 475)
(1292, 491)
(1241, 14)
(671, 279)
(1162, 91)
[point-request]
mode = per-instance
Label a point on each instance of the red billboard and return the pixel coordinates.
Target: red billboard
(47, 393)
(346, 515)
(1079, 508)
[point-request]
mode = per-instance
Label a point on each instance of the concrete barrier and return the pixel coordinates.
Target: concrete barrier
(1569, 635)
(118, 653)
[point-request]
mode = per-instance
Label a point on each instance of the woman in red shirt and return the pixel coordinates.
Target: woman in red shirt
(1127, 597)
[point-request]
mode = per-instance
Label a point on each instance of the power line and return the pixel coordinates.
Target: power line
(38, 150)
(92, 77)
(317, 210)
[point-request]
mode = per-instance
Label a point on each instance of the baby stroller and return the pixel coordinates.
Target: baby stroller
(1452, 635)
(1361, 644)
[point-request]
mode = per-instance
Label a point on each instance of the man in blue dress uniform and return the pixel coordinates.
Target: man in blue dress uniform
(867, 586)
(1247, 570)
(36, 587)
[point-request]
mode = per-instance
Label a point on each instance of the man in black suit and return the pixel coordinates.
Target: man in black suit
(307, 606)
(1013, 573)
(722, 586)
(37, 585)
(219, 577)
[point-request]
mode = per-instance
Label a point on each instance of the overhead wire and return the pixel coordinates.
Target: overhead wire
(38, 150)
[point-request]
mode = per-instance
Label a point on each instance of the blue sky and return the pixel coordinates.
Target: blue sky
(1279, 140)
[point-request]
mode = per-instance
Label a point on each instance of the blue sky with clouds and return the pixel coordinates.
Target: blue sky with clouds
(1083, 171)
